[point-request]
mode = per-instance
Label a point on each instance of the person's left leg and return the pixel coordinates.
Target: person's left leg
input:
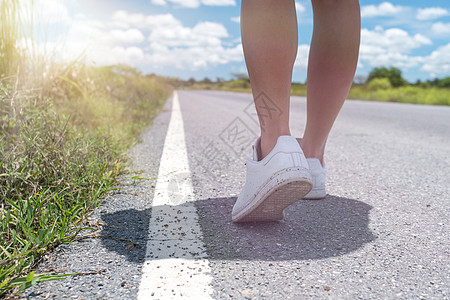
(331, 67)
(332, 63)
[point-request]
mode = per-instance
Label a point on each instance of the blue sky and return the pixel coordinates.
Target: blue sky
(201, 38)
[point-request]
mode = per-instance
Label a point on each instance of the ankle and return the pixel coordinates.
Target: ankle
(312, 151)
(268, 141)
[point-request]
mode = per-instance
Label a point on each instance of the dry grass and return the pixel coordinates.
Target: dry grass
(63, 130)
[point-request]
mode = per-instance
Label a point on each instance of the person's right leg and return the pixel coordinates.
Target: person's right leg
(270, 41)
(332, 63)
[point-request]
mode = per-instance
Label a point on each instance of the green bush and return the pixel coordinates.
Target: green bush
(393, 74)
(379, 83)
(298, 89)
(239, 84)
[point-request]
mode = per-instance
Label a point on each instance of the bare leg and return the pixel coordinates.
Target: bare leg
(270, 41)
(332, 64)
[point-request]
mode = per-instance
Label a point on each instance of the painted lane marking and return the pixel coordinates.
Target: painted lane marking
(176, 264)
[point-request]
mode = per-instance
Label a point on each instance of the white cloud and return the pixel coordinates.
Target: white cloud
(97, 41)
(118, 54)
(210, 29)
(157, 21)
(390, 47)
(392, 39)
(130, 36)
(383, 9)
(299, 7)
(191, 48)
(170, 43)
(192, 58)
(44, 12)
(205, 34)
(441, 28)
(124, 19)
(431, 13)
(219, 2)
(159, 2)
(301, 61)
(236, 19)
(438, 62)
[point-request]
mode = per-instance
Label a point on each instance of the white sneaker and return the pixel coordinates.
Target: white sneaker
(318, 173)
(273, 183)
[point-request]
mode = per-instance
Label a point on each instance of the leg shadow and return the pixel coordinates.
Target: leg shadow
(312, 229)
(125, 232)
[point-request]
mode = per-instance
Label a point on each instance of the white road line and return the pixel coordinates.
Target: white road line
(176, 264)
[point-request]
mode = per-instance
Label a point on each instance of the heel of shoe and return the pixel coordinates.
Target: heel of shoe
(280, 191)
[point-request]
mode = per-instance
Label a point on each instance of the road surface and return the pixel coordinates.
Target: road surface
(381, 233)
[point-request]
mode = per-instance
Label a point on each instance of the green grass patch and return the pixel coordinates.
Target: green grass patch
(64, 128)
(404, 94)
(61, 150)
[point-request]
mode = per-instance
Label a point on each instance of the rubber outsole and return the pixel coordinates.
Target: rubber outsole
(268, 206)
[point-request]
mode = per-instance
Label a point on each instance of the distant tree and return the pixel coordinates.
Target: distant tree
(425, 84)
(240, 76)
(207, 80)
(220, 81)
(444, 82)
(393, 74)
(379, 84)
(191, 81)
(360, 79)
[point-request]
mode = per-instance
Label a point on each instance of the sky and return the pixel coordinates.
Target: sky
(201, 38)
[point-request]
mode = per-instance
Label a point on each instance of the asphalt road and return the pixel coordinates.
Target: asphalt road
(381, 233)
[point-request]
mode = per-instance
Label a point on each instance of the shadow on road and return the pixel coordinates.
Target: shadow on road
(125, 232)
(310, 230)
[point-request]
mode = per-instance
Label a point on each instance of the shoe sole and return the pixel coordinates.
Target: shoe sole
(281, 190)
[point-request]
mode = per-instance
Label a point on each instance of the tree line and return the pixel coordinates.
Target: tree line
(394, 76)
(380, 77)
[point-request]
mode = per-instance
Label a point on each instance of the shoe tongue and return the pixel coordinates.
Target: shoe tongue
(257, 149)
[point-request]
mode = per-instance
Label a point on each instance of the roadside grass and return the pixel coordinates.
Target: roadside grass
(404, 94)
(61, 149)
(64, 129)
